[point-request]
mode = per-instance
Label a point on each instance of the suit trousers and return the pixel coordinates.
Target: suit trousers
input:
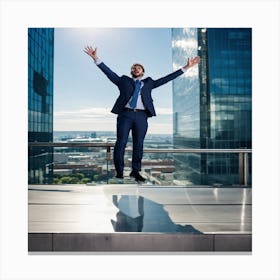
(137, 123)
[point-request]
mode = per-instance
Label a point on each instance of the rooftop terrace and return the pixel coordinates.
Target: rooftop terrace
(132, 217)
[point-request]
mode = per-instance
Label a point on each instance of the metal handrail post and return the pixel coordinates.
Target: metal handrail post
(246, 168)
(241, 168)
(108, 157)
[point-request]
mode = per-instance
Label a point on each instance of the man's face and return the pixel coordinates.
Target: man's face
(137, 71)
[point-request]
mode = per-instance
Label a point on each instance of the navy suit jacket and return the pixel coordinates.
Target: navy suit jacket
(126, 87)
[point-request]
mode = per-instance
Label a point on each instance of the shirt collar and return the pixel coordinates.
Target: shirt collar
(134, 79)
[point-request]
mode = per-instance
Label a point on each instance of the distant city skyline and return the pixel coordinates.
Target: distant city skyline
(83, 96)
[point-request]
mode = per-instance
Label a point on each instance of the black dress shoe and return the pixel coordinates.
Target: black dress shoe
(119, 175)
(136, 175)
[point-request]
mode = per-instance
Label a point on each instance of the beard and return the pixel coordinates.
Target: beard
(136, 75)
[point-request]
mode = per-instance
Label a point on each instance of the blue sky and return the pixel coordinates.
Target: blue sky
(83, 96)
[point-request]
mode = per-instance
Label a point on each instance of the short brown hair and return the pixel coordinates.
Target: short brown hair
(138, 64)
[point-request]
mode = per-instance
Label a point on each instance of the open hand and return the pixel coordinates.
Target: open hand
(191, 62)
(91, 52)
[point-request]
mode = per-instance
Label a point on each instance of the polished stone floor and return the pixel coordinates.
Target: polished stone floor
(138, 208)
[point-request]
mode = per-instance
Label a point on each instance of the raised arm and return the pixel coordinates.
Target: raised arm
(174, 75)
(112, 76)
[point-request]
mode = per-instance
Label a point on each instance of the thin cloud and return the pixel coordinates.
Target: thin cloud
(101, 119)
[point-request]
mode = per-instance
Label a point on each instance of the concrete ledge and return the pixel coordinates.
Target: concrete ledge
(138, 242)
(40, 242)
(232, 242)
(132, 242)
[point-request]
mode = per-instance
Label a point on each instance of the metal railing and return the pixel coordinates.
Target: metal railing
(243, 153)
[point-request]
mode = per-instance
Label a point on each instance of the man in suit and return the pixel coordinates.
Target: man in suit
(133, 106)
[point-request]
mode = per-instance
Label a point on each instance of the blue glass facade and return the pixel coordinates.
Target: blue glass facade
(40, 102)
(212, 103)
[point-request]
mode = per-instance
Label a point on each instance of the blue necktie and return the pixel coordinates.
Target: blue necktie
(133, 101)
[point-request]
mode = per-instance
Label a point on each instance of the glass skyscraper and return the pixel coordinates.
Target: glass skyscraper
(212, 102)
(40, 103)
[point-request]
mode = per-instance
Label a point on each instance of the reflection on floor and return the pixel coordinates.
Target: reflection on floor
(131, 216)
(136, 208)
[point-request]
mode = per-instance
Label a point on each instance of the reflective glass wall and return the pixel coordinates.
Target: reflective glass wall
(40, 102)
(186, 102)
(214, 101)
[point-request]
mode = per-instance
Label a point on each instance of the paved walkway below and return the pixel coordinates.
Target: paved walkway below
(108, 210)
